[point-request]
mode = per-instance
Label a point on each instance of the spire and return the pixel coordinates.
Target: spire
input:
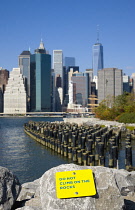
(41, 46)
(97, 33)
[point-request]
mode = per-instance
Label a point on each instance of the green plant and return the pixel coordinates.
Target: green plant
(127, 118)
(121, 108)
(131, 128)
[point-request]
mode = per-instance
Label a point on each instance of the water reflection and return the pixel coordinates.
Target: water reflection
(23, 156)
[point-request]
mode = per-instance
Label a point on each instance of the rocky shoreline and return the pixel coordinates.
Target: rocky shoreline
(94, 121)
(115, 190)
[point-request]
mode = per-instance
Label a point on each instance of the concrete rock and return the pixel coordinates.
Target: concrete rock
(108, 195)
(114, 189)
(9, 189)
(29, 208)
(125, 182)
(29, 190)
(29, 196)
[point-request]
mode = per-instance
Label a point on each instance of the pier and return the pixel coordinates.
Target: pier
(84, 145)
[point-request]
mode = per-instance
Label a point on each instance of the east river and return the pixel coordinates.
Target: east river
(26, 158)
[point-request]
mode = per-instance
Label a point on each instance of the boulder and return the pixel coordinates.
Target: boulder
(29, 190)
(115, 190)
(9, 189)
(108, 195)
(125, 181)
(29, 197)
(29, 208)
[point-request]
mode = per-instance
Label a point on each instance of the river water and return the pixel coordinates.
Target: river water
(28, 159)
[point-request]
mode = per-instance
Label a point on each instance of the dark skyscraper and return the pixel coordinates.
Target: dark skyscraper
(69, 61)
(41, 80)
(24, 65)
(4, 75)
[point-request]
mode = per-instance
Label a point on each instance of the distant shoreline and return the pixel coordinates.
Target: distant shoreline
(33, 116)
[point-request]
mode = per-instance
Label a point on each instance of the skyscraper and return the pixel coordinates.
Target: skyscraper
(69, 61)
(126, 83)
(58, 64)
(15, 94)
(41, 80)
(110, 83)
(69, 71)
(81, 88)
(24, 65)
(97, 56)
(59, 82)
(4, 75)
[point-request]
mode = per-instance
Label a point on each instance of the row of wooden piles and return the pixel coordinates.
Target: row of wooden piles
(85, 145)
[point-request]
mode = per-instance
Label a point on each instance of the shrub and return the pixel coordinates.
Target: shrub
(126, 118)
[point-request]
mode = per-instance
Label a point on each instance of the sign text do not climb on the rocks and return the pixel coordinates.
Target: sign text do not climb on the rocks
(76, 183)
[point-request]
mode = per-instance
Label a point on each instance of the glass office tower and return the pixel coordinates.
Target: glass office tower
(58, 64)
(69, 61)
(24, 65)
(41, 80)
(97, 57)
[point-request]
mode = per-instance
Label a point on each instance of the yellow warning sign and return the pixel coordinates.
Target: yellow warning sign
(76, 183)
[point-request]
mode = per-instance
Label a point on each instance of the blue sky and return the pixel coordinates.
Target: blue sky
(70, 25)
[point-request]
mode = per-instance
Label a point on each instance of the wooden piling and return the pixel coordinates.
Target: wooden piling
(74, 154)
(70, 152)
(65, 150)
(91, 160)
(128, 156)
(79, 157)
(85, 158)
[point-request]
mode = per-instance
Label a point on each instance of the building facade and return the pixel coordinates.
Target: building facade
(1, 101)
(97, 57)
(69, 61)
(126, 83)
(80, 88)
(4, 75)
(40, 80)
(90, 72)
(58, 64)
(69, 71)
(24, 65)
(110, 83)
(15, 94)
(133, 82)
(59, 78)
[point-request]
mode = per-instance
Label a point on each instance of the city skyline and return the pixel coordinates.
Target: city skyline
(97, 57)
(70, 26)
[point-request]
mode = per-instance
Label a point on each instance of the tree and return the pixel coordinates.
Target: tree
(113, 108)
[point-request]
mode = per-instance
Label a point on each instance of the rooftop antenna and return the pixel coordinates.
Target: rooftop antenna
(41, 38)
(97, 33)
